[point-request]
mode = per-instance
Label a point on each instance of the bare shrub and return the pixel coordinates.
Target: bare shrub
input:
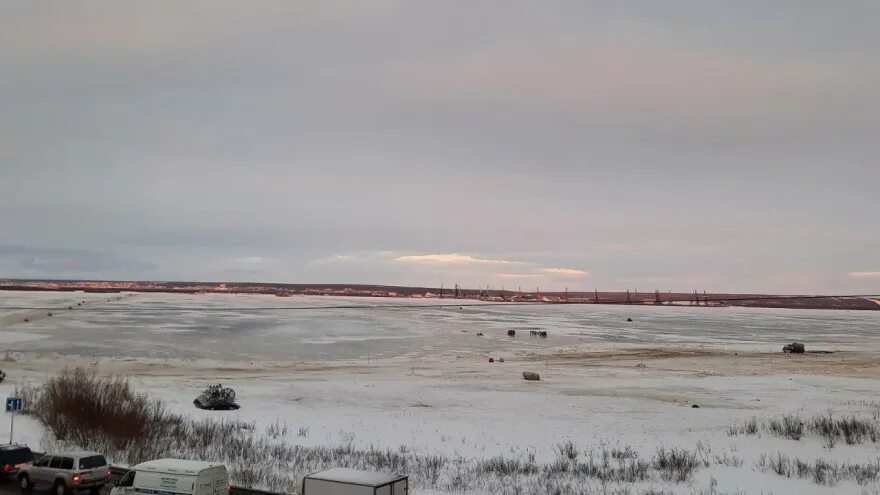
(277, 429)
(825, 473)
(824, 426)
(781, 465)
(677, 465)
(863, 473)
(501, 466)
(788, 426)
(750, 427)
(856, 430)
(727, 459)
(853, 430)
(567, 450)
(79, 407)
(820, 471)
(624, 453)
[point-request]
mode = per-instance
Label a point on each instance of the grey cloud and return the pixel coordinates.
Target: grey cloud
(730, 143)
(39, 262)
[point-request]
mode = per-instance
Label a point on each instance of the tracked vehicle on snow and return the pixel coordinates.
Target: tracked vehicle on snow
(216, 398)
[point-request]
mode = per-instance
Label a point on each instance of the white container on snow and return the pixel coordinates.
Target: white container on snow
(343, 481)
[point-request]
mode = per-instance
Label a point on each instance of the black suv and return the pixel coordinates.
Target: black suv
(12, 457)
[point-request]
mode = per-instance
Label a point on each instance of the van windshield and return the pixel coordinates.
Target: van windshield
(92, 462)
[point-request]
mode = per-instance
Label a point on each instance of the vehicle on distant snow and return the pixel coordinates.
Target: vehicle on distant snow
(216, 397)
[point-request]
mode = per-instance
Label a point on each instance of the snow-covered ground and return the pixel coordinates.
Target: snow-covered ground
(420, 377)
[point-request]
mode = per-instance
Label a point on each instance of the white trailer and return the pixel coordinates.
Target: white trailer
(343, 481)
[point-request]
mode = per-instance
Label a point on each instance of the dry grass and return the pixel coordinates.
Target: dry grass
(106, 414)
(851, 429)
(820, 471)
(81, 409)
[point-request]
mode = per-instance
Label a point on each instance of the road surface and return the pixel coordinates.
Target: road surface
(9, 486)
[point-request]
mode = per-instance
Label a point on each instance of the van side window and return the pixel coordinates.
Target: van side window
(42, 461)
(127, 480)
(66, 463)
(55, 463)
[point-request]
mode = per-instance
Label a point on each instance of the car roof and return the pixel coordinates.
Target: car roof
(73, 453)
(356, 477)
(14, 446)
(177, 466)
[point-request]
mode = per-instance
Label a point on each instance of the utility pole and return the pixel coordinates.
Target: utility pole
(597, 295)
(628, 300)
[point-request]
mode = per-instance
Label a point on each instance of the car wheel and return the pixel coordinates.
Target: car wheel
(60, 488)
(24, 482)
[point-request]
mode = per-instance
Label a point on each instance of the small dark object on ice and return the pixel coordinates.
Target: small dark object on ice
(27, 320)
(500, 360)
(479, 334)
(794, 348)
(491, 360)
(48, 314)
(511, 333)
(695, 406)
(542, 333)
(2, 376)
(629, 319)
(531, 376)
(216, 398)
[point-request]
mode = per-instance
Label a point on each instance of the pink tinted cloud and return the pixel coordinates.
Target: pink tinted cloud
(864, 274)
(449, 259)
(566, 272)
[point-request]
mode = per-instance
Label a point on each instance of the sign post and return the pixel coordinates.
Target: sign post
(13, 404)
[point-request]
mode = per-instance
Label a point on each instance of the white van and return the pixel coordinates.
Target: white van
(174, 477)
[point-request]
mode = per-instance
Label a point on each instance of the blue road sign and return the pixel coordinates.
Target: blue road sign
(13, 404)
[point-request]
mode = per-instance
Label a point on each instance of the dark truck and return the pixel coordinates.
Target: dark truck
(13, 457)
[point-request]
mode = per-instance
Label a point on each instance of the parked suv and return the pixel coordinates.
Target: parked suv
(13, 457)
(66, 472)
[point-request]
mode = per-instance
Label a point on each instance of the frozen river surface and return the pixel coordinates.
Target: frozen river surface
(249, 328)
(414, 374)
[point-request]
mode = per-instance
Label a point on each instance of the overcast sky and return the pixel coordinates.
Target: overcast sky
(719, 146)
